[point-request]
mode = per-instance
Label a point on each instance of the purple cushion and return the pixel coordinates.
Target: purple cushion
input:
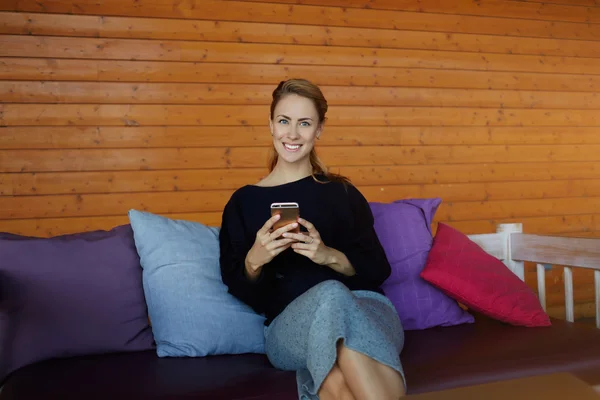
(404, 229)
(70, 295)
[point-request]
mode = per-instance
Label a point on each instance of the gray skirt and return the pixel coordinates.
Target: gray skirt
(304, 336)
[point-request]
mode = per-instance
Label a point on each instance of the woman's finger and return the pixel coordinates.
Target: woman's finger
(300, 237)
(269, 224)
(279, 232)
(278, 250)
(309, 227)
(302, 246)
(278, 243)
(306, 253)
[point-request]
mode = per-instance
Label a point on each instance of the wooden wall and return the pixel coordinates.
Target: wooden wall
(162, 105)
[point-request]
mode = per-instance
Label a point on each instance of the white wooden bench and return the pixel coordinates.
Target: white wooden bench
(514, 248)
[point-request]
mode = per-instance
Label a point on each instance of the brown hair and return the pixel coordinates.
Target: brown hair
(309, 90)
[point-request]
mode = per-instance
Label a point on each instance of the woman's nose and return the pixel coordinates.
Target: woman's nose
(293, 132)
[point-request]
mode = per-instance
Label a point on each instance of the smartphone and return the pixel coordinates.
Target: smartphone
(289, 214)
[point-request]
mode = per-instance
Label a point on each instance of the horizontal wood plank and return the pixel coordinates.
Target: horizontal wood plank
(256, 157)
(187, 72)
(112, 204)
(534, 225)
(247, 94)
(589, 3)
(249, 32)
(81, 137)
(192, 115)
(126, 181)
(320, 16)
(550, 175)
(135, 49)
(467, 211)
(493, 8)
(594, 234)
(494, 191)
(576, 252)
(113, 160)
(504, 198)
(48, 227)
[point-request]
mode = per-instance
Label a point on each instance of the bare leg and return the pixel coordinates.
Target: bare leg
(334, 386)
(367, 378)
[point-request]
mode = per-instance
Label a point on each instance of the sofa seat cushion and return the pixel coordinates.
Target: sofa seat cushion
(144, 375)
(433, 359)
(490, 350)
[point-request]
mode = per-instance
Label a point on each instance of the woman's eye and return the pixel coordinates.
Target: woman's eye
(283, 121)
(305, 123)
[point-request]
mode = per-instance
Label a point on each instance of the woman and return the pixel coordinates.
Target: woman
(326, 317)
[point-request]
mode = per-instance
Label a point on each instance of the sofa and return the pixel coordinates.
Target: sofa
(492, 326)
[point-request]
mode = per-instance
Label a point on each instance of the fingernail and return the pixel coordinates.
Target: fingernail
(295, 225)
(285, 235)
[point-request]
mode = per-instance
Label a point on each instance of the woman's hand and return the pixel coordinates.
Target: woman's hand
(310, 245)
(267, 246)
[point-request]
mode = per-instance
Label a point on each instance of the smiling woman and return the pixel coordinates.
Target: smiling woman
(297, 119)
(327, 317)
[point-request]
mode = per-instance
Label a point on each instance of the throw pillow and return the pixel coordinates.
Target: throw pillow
(404, 229)
(70, 295)
(191, 311)
(461, 268)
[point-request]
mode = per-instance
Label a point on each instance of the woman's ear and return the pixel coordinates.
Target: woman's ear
(271, 125)
(320, 130)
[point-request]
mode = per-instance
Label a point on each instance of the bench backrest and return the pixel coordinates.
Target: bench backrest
(514, 248)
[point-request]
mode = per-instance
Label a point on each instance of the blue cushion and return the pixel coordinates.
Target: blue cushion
(192, 313)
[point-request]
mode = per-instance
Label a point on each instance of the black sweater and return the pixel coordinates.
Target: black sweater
(341, 215)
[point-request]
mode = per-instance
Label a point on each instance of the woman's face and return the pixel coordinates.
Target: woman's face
(294, 127)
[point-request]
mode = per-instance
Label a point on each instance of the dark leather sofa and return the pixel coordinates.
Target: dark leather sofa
(433, 359)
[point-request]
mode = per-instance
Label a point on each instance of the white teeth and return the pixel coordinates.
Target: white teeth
(292, 146)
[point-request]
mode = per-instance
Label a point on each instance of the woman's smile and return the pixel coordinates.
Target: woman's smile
(292, 148)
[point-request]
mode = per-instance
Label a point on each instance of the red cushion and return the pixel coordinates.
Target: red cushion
(464, 271)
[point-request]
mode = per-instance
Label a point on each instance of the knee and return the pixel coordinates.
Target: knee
(332, 291)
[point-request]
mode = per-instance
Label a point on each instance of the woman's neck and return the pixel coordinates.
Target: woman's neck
(284, 173)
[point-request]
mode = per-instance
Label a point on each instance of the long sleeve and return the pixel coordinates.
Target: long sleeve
(234, 246)
(364, 250)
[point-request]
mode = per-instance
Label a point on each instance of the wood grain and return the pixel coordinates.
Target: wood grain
(95, 137)
(458, 198)
(209, 52)
(191, 115)
(495, 8)
(534, 225)
(190, 72)
(48, 227)
(249, 94)
(576, 252)
(491, 106)
(554, 177)
(317, 35)
(467, 211)
(256, 157)
(590, 3)
(320, 16)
